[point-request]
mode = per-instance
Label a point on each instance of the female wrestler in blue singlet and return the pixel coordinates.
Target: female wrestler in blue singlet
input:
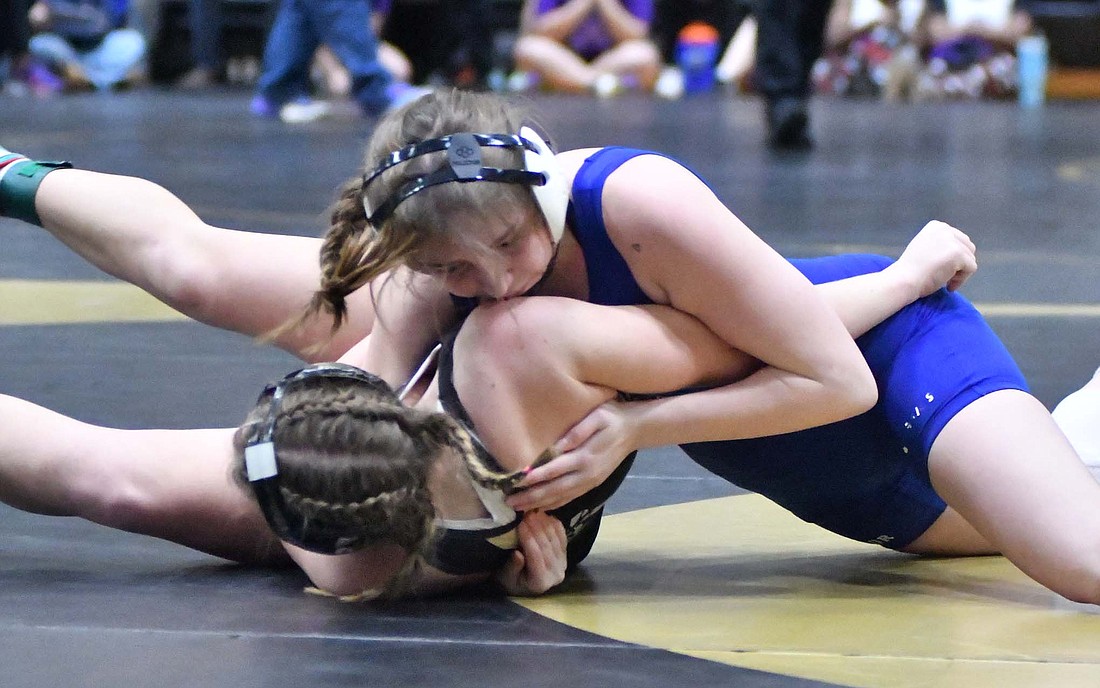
(873, 465)
(866, 477)
(445, 212)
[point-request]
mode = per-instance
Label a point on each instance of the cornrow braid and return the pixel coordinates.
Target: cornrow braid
(337, 409)
(401, 516)
(352, 460)
(446, 431)
(417, 541)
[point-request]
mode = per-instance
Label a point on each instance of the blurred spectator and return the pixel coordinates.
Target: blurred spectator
(580, 46)
(334, 78)
(870, 49)
(739, 58)
(300, 28)
(789, 39)
(15, 60)
(87, 42)
(204, 18)
(446, 41)
(971, 49)
(736, 31)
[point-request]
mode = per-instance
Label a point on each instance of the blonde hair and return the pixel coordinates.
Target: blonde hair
(353, 458)
(353, 253)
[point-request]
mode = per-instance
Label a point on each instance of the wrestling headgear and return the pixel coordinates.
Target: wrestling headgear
(534, 165)
(262, 467)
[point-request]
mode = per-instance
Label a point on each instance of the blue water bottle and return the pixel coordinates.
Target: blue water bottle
(697, 55)
(1032, 62)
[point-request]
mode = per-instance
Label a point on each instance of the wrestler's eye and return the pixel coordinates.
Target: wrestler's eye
(441, 270)
(510, 238)
(433, 269)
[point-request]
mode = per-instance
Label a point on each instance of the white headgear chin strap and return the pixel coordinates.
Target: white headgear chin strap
(553, 196)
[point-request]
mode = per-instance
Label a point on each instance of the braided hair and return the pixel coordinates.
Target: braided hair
(354, 459)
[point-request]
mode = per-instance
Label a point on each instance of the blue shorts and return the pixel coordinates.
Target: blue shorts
(866, 478)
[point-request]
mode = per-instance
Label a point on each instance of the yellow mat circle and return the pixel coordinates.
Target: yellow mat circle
(741, 581)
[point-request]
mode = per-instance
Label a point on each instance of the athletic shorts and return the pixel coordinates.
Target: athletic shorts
(866, 477)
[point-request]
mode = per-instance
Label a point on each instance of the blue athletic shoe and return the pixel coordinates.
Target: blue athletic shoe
(300, 110)
(261, 106)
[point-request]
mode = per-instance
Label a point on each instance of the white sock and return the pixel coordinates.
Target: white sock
(1078, 415)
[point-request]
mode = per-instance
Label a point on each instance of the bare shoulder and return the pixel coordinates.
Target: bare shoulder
(639, 182)
(651, 171)
(653, 193)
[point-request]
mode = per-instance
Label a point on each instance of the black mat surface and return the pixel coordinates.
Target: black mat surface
(82, 606)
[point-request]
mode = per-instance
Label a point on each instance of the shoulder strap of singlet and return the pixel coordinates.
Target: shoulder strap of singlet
(610, 281)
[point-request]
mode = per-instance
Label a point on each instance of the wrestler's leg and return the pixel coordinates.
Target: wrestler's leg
(170, 484)
(246, 282)
(951, 536)
(528, 369)
(557, 64)
(1004, 465)
(638, 57)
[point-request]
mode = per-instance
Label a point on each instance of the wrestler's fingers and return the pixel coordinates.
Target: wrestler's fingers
(547, 495)
(544, 546)
(549, 531)
(511, 571)
(551, 470)
(962, 274)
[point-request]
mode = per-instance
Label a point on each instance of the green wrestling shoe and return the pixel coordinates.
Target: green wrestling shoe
(7, 161)
(7, 158)
(17, 191)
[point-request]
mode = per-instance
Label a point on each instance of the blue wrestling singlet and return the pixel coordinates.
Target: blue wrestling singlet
(866, 477)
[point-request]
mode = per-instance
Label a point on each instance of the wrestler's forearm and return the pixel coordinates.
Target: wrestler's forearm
(560, 22)
(620, 22)
(864, 301)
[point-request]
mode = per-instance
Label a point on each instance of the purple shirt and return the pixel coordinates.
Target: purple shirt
(591, 37)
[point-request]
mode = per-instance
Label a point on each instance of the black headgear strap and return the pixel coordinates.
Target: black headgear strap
(464, 165)
(262, 467)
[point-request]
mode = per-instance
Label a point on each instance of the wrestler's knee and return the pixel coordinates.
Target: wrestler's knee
(1080, 580)
(184, 281)
(119, 503)
(517, 332)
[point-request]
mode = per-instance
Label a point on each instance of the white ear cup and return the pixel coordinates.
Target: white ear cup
(553, 196)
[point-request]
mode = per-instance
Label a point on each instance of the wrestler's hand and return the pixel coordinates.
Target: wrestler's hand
(938, 256)
(586, 456)
(539, 563)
